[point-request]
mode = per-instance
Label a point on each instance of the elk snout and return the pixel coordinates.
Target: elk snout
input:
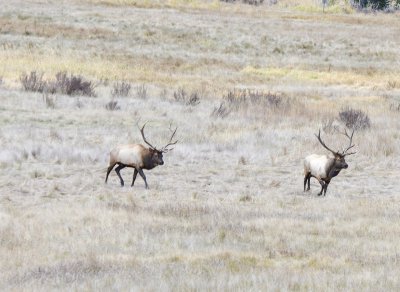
(345, 165)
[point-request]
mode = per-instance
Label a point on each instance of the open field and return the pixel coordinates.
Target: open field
(227, 211)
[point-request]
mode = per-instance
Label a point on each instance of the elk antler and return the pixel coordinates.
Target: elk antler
(165, 149)
(144, 138)
(350, 146)
(322, 143)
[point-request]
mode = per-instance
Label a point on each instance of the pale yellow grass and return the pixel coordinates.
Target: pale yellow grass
(148, 71)
(194, 4)
(142, 70)
(96, 68)
(303, 6)
(372, 78)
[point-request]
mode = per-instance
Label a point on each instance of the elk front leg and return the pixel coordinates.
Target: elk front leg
(326, 187)
(121, 166)
(322, 186)
(109, 170)
(143, 176)
(134, 177)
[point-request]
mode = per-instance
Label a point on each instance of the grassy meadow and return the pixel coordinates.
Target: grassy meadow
(227, 211)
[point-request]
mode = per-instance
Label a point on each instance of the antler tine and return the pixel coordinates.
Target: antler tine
(322, 143)
(144, 138)
(165, 149)
(351, 141)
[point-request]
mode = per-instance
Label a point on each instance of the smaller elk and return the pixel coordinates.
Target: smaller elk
(325, 167)
(138, 157)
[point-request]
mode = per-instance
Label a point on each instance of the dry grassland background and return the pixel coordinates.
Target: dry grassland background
(227, 211)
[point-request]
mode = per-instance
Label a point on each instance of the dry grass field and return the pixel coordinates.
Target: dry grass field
(227, 211)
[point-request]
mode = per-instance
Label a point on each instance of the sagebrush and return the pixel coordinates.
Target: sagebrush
(354, 119)
(63, 84)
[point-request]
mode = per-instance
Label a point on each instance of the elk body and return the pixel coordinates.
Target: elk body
(138, 157)
(325, 167)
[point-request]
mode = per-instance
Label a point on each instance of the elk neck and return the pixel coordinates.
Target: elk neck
(148, 162)
(331, 169)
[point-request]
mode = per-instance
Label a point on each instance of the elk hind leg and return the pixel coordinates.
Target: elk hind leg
(143, 176)
(322, 187)
(134, 177)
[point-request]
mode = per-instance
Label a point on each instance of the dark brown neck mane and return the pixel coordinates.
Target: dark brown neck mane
(148, 162)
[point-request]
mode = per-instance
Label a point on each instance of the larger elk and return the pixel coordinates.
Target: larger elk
(325, 167)
(138, 157)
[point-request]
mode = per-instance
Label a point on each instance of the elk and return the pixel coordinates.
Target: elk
(326, 167)
(138, 157)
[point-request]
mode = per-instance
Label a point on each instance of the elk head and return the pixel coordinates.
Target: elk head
(157, 154)
(339, 157)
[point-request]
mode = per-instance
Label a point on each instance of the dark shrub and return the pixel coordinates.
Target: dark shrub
(251, 2)
(395, 106)
(329, 126)
(33, 82)
(73, 85)
(141, 91)
(182, 96)
(245, 97)
(220, 112)
(194, 99)
(373, 4)
(70, 85)
(121, 89)
(112, 106)
(250, 102)
(268, 99)
(354, 119)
